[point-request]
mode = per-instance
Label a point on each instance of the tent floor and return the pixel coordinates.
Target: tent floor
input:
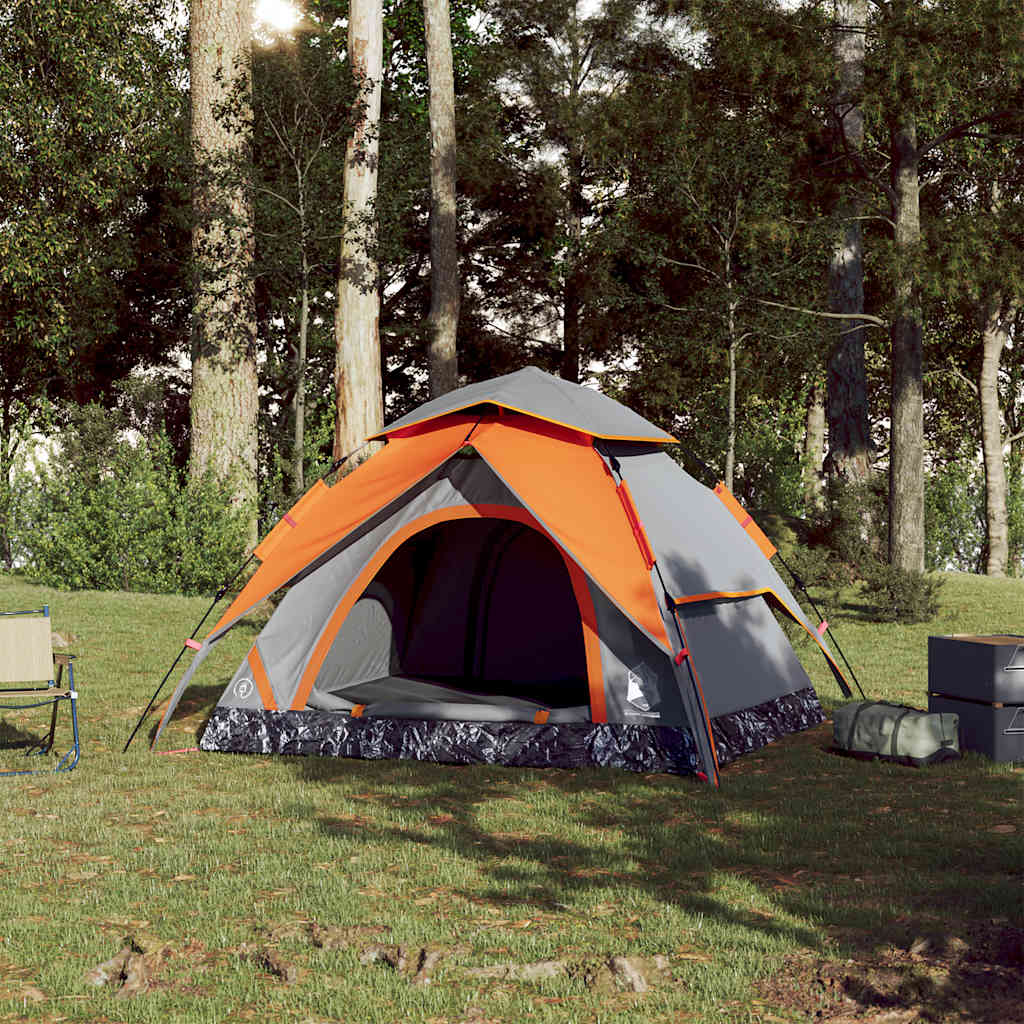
(434, 700)
(641, 748)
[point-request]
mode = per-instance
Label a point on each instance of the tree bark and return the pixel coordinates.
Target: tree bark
(998, 316)
(906, 445)
(849, 438)
(444, 251)
(731, 305)
(299, 399)
(357, 373)
(571, 298)
(225, 396)
(571, 285)
(814, 446)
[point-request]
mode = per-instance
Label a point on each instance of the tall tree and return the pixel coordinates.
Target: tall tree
(444, 252)
(940, 72)
(91, 130)
(225, 387)
(302, 100)
(849, 440)
(999, 313)
(357, 377)
(561, 66)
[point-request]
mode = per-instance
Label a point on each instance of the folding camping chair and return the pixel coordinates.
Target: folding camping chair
(26, 657)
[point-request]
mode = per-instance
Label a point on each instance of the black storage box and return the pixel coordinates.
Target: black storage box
(981, 679)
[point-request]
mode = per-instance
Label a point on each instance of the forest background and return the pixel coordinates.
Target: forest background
(790, 234)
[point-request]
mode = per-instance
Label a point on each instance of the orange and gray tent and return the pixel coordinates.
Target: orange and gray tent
(522, 575)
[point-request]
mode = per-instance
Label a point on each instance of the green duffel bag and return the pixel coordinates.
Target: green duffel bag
(895, 732)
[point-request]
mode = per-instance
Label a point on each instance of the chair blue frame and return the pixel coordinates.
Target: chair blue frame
(27, 696)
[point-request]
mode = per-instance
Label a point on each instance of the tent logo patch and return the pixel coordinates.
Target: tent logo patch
(635, 693)
(244, 688)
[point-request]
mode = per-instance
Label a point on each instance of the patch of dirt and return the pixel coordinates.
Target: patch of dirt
(972, 976)
(145, 963)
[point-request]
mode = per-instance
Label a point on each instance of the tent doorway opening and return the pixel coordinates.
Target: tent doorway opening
(469, 618)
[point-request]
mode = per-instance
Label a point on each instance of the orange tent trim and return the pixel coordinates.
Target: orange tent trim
(408, 427)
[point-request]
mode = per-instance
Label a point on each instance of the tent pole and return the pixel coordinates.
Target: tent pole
(334, 467)
(796, 579)
(184, 647)
(821, 618)
(712, 767)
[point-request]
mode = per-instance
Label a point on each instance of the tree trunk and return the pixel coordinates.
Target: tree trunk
(995, 334)
(906, 445)
(8, 452)
(444, 251)
(571, 299)
(299, 399)
(814, 446)
(225, 396)
(357, 373)
(849, 438)
(731, 306)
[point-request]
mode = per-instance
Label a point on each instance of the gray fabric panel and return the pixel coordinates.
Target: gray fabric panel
(740, 653)
(242, 691)
(200, 657)
(365, 647)
(639, 684)
(534, 391)
(699, 545)
(396, 689)
(445, 711)
(288, 639)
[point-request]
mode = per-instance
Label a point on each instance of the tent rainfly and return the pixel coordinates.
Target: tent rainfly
(521, 576)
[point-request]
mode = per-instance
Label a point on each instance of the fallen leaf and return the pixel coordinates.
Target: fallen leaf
(1003, 830)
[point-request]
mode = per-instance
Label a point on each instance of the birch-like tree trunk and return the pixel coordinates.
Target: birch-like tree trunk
(444, 245)
(906, 445)
(849, 439)
(998, 316)
(225, 397)
(572, 300)
(301, 348)
(357, 368)
(814, 446)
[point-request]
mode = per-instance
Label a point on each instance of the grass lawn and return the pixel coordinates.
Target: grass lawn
(807, 884)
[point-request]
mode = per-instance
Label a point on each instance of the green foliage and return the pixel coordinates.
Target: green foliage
(954, 498)
(853, 526)
(895, 594)
(112, 514)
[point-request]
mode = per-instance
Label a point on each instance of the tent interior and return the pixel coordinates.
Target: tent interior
(470, 619)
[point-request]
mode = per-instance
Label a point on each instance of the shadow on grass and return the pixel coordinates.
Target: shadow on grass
(828, 854)
(192, 712)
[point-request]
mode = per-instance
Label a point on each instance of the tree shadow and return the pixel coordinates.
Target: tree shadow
(826, 854)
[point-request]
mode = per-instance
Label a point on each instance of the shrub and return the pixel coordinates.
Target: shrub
(899, 595)
(112, 514)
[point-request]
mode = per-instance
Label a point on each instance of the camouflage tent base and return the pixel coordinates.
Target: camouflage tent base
(636, 748)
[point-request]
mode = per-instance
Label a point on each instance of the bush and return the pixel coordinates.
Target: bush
(111, 514)
(899, 595)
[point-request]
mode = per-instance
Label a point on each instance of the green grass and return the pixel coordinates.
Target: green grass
(800, 850)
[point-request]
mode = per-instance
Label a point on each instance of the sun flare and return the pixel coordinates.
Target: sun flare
(276, 15)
